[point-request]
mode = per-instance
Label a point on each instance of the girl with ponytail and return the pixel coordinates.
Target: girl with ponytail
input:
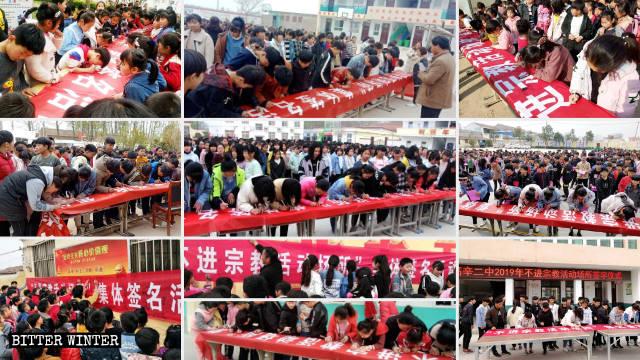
(144, 80)
(311, 282)
(349, 279)
(332, 278)
(42, 67)
(343, 324)
(371, 335)
(383, 274)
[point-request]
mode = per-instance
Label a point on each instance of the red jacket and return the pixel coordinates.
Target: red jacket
(624, 183)
(70, 354)
(387, 310)
(352, 328)
(171, 69)
(6, 165)
(424, 346)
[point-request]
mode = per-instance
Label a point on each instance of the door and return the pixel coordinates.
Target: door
(365, 30)
(327, 26)
(390, 3)
(330, 5)
(384, 35)
(418, 36)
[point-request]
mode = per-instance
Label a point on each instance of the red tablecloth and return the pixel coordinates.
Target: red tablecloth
(305, 346)
(121, 195)
(561, 329)
(82, 88)
(330, 103)
(232, 220)
(527, 96)
(603, 223)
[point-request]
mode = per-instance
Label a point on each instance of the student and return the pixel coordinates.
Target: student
(197, 39)
(554, 31)
(314, 191)
(343, 324)
(197, 179)
(148, 340)
(511, 22)
(169, 61)
(83, 59)
(413, 340)
(402, 279)
(227, 179)
(253, 54)
(404, 321)
(195, 67)
(26, 40)
(549, 60)
(288, 319)
(503, 34)
(41, 68)
(16, 105)
(143, 83)
(322, 74)
(207, 317)
(576, 29)
(302, 70)
(619, 206)
(332, 279)
(434, 276)
(219, 93)
(361, 64)
(317, 319)
(617, 58)
(421, 66)
(371, 335)
(256, 194)
(311, 281)
(229, 43)
(164, 23)
(74, 33)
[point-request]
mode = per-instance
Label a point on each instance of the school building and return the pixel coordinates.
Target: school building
(405, 21)
(608, 269)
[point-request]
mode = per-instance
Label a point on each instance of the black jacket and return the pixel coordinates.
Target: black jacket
(394, 330)
(318, 320)
(467, 314)
(267, 315)
(288, 318)
(322, 72)
(272, 273)
(545, 318)
(301, 78)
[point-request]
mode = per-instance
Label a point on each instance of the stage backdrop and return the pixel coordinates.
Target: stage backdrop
(239, 259)
(159, 292)
(100, 257)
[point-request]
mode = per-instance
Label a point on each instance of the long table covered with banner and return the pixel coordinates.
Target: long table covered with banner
(81, 88)
(527, 96)
(583, 335)
(232, 220)
(337, 101)
(53, 223)
(159, 292)
(239, 259)
(303, 346)
(589, 221)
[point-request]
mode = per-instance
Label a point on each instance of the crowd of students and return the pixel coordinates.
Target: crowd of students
(232, 67)
(333, 280)
(590, 45)
(403, 332)
(256, 175)
(603, 181)
(72, 310)
(487, 313)
(40, 176)
(55, 38)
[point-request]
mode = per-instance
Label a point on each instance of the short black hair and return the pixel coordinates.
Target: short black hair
(165, 104)
(224, 281)
(193, 63)
(115, 108)
(5, 136)
(108, 313)
(30, 37)
(43, 140)
(147, 340)
(129, 321)
(192, 17)
(16, 105)
(105, 55)
(96, 321)
(283, 75)
(172, 41)
(284, 287)
(305, 56)
(252, 74)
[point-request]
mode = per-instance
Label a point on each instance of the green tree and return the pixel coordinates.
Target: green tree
(559, 139)
(571, 137)
(518, 133)
(589, 137)
(547, 134)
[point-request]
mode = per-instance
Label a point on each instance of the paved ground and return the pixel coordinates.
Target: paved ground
(473, 91)
(522, 229)
(323, 228)
(404, 109)
(626, 353)
(141, 227)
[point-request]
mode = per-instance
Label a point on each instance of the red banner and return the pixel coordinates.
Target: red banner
(121, 195)
(231, 220)
(532, 273)
(561, 329)
(303, 346)
(82, 88)
(238, 259)
(159, 292)
(100, 257)
(529, 97)
(332, 102)
(603, 223)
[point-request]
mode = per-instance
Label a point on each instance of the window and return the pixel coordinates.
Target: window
(285, 123)
(245, 135)
(258, 126)
(425, 124)
(349, 137)
(577, 242)
(618, 244)
(299, 19)
(376, 29)
(286, 18)
(272, 135)
(154, 255)
(592, 242)
(562, 241)
(285, 136)
(605, 243)
(410, 124)
(43, 259)
(339, 25)
(632, 244)
(272, 123)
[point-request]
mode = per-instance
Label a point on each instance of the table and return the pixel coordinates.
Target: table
(604, 223)
(232, 220)
(81, 89)
(527, 96)
(303, 346)
(583, 335)
(334, 102)
(120, 199)
(614, 331)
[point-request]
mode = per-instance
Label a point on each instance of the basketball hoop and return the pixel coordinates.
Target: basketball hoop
(345, 13)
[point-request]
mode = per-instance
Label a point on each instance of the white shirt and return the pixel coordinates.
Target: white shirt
(576, 22)
(315, 285)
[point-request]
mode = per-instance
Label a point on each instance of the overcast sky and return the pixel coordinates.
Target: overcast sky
(8, 255)
(297, 6)
(600, 128)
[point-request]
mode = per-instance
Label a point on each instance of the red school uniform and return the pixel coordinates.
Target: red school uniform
(424, 346)
(171, 69)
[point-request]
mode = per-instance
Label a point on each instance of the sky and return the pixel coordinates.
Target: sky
(298, 6)
(8, 255)
(600, 128)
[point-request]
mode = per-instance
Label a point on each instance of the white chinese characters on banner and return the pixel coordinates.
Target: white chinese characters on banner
(541, 105)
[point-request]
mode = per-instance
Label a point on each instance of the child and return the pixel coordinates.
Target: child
(550, 60)
(288, 319)
(163, 23)
(104, 39)
(505, 38)
(198, 39)
(617, 58)
(275, 86)
(311, 281)
(146, 19)
(523, 27)
(412, 341)
(113, 25)
(143, 83)
(511, 22)
(421, 66)
(169, 60)
(26, 40)
(41, 68)
(343, 324)
(83, 59)
(370, 335)
(402, 279)
(341, 77)
(314, 191)
(207, 317)
(74, 33)
(302, 72)
(527, 321)
(317, 319)
(245, 321)
(322, 74)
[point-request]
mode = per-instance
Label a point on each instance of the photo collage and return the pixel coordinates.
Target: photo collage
(325, 179)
